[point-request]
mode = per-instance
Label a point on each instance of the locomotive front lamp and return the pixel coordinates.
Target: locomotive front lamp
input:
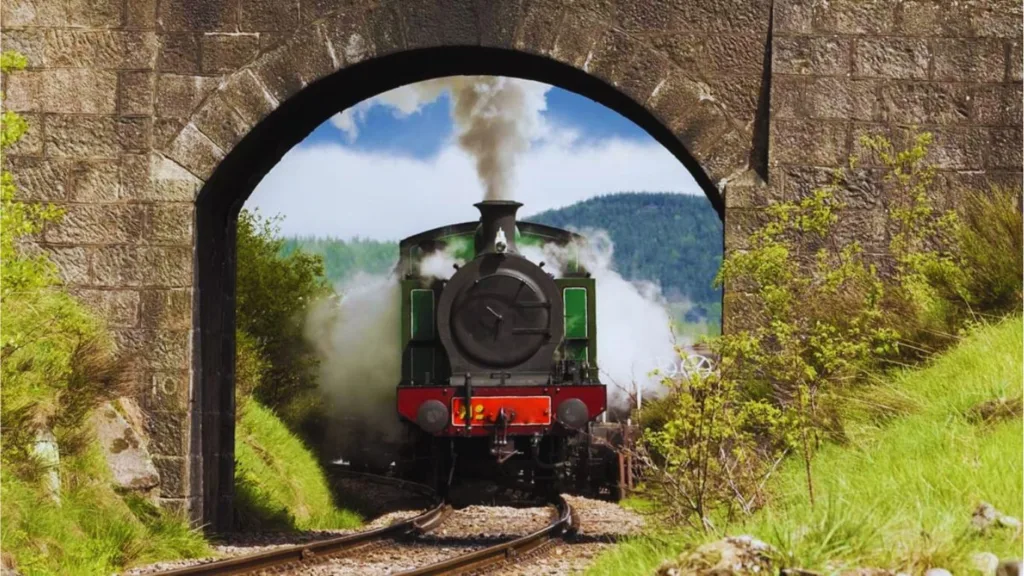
(500, 242)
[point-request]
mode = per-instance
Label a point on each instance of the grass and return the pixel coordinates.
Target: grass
(93, 531)
(279, 484)
(899, 492)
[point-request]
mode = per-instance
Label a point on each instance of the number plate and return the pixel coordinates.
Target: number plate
(527, 410)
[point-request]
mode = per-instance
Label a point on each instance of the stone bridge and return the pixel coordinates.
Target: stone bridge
(153, 120)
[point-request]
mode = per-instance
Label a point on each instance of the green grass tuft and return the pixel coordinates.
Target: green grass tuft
(900, 491)
(279, 484)
(93, 531)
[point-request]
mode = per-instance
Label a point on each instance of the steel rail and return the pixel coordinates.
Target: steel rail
(505, 552)
(314, 552)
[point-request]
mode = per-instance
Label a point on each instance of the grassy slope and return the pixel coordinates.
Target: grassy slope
(901, 491)
(93, 531)
(279, 484)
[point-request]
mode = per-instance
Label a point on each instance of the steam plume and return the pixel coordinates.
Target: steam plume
(495, 118)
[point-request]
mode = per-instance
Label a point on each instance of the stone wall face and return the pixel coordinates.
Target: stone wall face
(847, 68)
(133, 105)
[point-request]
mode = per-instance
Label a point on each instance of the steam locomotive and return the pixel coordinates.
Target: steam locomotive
(499, 360)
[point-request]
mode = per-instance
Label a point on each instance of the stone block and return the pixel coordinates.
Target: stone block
(686, 49)
(539, 27)
(173, 473)
(315, 9)
(1016, 61)
(855, 17)
(348, 36)
(750, 191)
(807, 142)
(865, 155)
(167, 181)
(924, 103)
(814, 55)
(31, 142)
(39, 179)
(793, 17)
(739, 54)
(78, 91)
(96, 181)
(198, 15)
(305, 59)
(997, 104)
(168, 433)
(86, 136)
(386, 33)
(195, 152)
(932, 18)
(737, 97)
(248, 97)
(95, 13)
(120, 308)
(29, 42)
(140, 15)
(135, 135)
(575, 42)
(891, 57)
(499, 22)
(178, 96)
(953, 147)
(161, 350)
(170, 224)
(220, 123)
(861, 191)
(101, 49)
(740, 224)
(429, 23)
(1005, 148)
(132, 266)
(23, 91)
(841, 98)
(164, 390)
(33, 13)
(687, 108)
(72, 263)
(268, 15)
(165, 130)
(167, 309)
(867, 227)
(789, 97)
(970, 59)
(179, 53)
(989, 19)
(271, 40)
(723, 158)
(610, 55)
(739, 312)
(225, 53)
(97, 223)
(135, 93)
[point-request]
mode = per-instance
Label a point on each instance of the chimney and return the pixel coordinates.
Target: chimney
(497, 232)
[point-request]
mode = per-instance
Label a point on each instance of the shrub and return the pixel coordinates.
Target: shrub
(273, 292)
(992, 252)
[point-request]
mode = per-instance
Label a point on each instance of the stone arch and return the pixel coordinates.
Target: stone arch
(258, 112)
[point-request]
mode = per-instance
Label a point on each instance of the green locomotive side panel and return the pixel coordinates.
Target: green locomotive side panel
(574, 300)
(421, 327)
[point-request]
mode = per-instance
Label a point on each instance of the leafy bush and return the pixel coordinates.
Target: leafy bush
(273, 292)
(991, 250)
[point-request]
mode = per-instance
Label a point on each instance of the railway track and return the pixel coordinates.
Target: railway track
(300, 558)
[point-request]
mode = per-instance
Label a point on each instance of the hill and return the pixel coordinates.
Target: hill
(672, 239)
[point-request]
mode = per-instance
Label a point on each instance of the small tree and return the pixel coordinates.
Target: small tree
(816, 310)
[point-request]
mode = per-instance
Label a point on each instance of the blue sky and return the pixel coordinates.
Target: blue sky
(396, 169)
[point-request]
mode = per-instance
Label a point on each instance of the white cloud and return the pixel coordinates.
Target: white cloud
(335, 190)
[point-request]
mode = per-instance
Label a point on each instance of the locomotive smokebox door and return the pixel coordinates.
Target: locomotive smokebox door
(500, 313)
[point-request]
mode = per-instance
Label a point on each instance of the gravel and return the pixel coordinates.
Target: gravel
(468, 528)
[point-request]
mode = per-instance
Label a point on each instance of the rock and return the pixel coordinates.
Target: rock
(984, 516)
(997, 409)
(938, 572)
(1008, 522)
(48, 455)
(1008, 568)
(735, 555)
(985, 562)
(125, 452)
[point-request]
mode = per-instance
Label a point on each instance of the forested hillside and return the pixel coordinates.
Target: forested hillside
(673, 239)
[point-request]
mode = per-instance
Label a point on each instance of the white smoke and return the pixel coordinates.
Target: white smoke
(356, 336)
(495, 118)
(634, 333)
(439, 264)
